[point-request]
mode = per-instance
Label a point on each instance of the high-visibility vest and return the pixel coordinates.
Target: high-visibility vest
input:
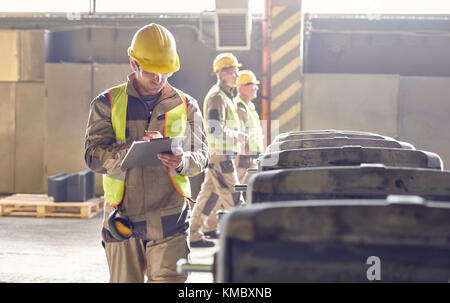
(175, 124)
(255, 133)
(231, 121)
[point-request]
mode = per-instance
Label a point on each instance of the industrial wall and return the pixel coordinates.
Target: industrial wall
(407, 45)
(352, 102)
(22, 114)
(412, 109)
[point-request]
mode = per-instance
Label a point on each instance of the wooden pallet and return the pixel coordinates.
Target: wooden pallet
(42, 206)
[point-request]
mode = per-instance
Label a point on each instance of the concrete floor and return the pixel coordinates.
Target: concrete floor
(48, 250)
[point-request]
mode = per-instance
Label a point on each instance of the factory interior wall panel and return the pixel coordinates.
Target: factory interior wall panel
(104, 45)
(32, 56)
(22, 55)
(424, 107)
(358, 102)
(29, 134)
(408, 45)
(195, 76)
(68, 97)
(108, 75)
(7, 137)
(9, 60)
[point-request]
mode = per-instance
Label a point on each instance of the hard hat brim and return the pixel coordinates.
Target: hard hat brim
(157, 68)
(219, 69)
(252, 82)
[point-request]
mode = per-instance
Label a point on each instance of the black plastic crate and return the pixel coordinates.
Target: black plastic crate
(80, 186)
(57, 187)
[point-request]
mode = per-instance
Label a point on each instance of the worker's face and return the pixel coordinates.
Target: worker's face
(148, 83)
(249, 91)
(229, 76)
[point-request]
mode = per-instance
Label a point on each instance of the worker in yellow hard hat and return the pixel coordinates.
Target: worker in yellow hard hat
(147, 209)
(247, 87)
(224, 138)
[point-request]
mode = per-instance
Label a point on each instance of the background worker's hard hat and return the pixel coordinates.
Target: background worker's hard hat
(225, 60)
(247, 76)
(154, 48)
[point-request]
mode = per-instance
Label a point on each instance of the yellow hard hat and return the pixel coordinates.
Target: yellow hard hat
(247, 76)
(154, 49)
(225, 60)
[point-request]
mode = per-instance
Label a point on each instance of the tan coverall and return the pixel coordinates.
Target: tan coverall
(160, 215)
(247, 158)
(217, 190)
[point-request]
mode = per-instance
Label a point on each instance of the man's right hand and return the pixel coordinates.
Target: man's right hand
(148, 135)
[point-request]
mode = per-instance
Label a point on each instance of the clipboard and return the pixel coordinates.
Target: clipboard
(144, 153)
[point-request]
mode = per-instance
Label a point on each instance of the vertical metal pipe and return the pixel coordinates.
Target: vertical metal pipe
(265, 83)
(92, 7)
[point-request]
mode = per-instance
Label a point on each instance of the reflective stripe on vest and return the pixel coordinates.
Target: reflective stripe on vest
(114, 185)
(174, 125)
(231, 121)
(255, 134)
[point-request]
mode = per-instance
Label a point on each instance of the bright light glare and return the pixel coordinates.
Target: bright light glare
(50, 6)
(164, 6)
(418, 7)
(256, 6)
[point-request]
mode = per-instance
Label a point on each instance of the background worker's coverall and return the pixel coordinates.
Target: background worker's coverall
(217, 190)
(160, 215)
(250, 125)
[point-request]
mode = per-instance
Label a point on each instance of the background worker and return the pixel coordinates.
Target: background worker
(224, 137)
(250, 124)
(153, 199)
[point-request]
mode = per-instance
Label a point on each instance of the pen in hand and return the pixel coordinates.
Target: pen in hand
(169, 160)
(150, 134)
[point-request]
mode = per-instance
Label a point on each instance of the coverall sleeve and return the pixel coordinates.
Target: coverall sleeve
(243, 123)
(217, 112)
(243, 117)
(101, 152)
(196, 152)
